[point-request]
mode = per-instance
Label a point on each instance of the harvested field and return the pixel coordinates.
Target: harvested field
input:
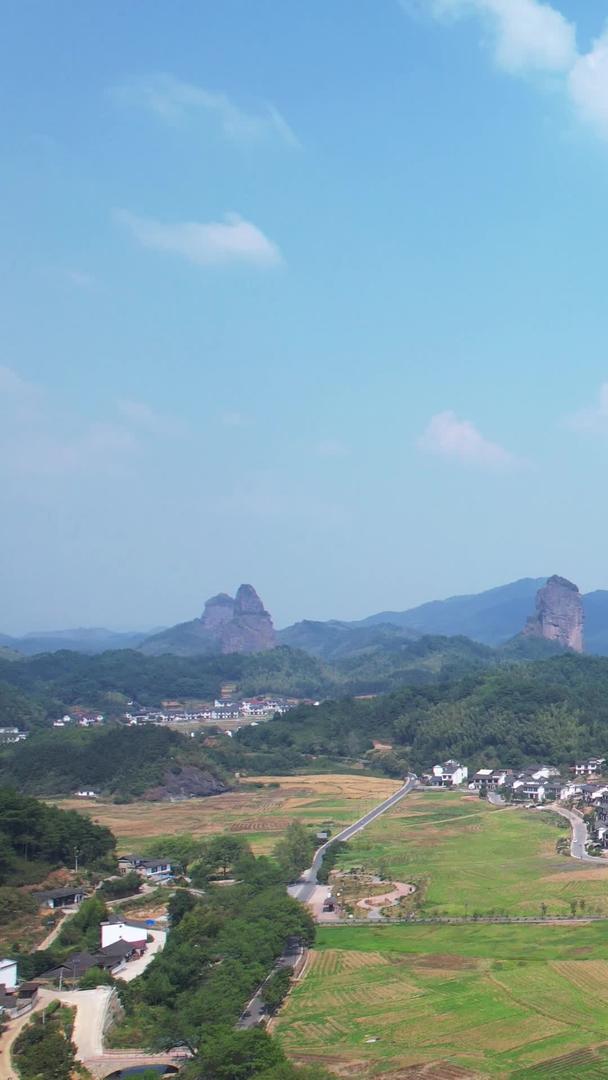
(259, 813)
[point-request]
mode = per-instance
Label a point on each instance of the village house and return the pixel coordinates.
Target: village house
(450, 774)
(490, 779)
(60, 898)
(8, 974)
(128, 932)
(12, 735)
(590, 767)
(157, 869)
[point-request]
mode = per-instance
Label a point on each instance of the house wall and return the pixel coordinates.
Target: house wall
(8, 973)
(111, 932)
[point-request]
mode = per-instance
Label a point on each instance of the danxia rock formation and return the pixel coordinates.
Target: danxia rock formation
(228, 624)
(559, 614)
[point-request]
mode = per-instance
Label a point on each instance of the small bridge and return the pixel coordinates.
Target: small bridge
(112, 1062)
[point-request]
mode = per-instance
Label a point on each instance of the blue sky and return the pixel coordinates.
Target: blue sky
(307, 295)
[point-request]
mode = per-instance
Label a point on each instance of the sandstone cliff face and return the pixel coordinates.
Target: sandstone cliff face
(218, 610)
(559, 614)
(250, 629)
(228, 624)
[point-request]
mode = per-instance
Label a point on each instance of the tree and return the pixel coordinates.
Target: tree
(179, 905)
(235, 1055)
(276, 988)
(294, 852)
(44, 1050)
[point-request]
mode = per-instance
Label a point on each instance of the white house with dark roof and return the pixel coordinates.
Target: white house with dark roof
(449, 774)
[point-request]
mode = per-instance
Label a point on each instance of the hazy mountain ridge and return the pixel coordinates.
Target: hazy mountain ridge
(492, 617)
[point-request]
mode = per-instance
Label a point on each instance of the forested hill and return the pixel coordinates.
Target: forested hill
(55, 681)
(554, 710)
(115, 760)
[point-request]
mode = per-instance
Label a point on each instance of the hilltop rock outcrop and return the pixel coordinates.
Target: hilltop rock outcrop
(228, 624)
(250, 629)
(559, 614)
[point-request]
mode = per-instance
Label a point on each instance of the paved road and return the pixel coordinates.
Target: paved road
(579, 835)
(304, 889)
(254, 1011)
(135, 967)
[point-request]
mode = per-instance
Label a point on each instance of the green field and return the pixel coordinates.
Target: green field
(469, 858)
(473, 1001)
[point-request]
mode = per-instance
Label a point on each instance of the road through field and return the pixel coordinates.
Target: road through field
(580, 837)
(304, 888)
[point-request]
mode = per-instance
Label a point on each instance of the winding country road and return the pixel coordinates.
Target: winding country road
(579, 836)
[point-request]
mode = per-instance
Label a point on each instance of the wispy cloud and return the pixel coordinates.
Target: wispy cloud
(332, 448)
(232, 418)
(593, 418)
(175, 101)
(232, 240)
(588, 85)
(459, 440)
(142, 417)
(530, 36)
(40, 437)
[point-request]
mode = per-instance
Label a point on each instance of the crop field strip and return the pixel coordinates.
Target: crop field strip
(496, 1014)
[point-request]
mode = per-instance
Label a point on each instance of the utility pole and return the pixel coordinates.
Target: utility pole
(76, 854)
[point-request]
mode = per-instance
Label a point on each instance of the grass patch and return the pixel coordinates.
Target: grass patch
(474, 859)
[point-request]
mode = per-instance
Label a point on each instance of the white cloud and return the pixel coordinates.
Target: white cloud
(588, 84)
(594, 418)
(531, 36)
(528, 35)
(175, 101)
(233, 240)
(459, 440)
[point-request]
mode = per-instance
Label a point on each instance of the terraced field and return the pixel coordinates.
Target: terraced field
(416, 1001)
(470, 858)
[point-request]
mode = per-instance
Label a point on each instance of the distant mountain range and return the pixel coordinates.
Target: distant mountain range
(242, 624)
(84, 639)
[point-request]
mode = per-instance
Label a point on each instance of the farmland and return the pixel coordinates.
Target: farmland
(472, 1001)
(259, 813)
(469, 858)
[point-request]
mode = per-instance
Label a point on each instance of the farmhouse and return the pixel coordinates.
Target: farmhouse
(490, 779)
(450, 774)
(8, 974)
(60, 898)
(127, 933)
(590, 767)
(157, 869)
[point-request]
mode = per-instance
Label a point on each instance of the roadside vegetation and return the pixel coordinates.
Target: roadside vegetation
(44, 1048)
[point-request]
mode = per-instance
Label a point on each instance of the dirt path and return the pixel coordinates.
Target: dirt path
(400, 889)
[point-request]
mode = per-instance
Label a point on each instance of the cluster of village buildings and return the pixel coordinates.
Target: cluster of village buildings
(537, 784)
(246, 709)
(121, 941)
